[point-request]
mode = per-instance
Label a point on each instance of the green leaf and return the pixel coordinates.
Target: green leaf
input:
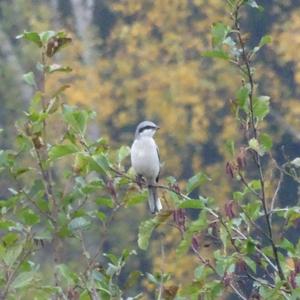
(76, 118)
(108, 202)
(101, 216)
(59, 151)
(255, 184)
(199, 224)
(126, 253)
(5, 224)
(224, 263)
(135, 198)
(57, 68)
(66, 274)
(215, 289)
(10, 238)
(23, 279)
(253, 144)
(202, 272)
(145, 232)
(85, 295)
(4, 158)
(238, 196)
(252, 209)
(12, 254)
(32, 37)
(266, 142)
(266, 39)
(101, 163)
(23, 143)
(46, 35)
(196, 204)
(146, 228)
(242, 98)
(30, 79)
(192, 290)
(216, 54)
(224, 238)
(29, 217)
(219, 33)
(295, 292)
(261, 107)
(184, 246)
(79, 224)
(250, 263)
(132, 279)
(123, 152)
(152, 278)
(196, 181)
(230, 147)
(250, 247)
(113, 259)
(288, 246)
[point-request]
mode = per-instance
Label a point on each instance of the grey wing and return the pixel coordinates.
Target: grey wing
(157, 150)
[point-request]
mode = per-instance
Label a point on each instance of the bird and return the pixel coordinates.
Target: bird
(146, 162)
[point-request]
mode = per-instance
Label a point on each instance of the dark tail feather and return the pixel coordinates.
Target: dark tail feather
(154, 202)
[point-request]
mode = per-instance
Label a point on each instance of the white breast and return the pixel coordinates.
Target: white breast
(144, 158)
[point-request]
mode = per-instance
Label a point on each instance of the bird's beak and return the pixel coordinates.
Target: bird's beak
(157, 127)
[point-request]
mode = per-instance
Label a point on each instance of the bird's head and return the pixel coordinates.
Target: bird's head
(146, 129)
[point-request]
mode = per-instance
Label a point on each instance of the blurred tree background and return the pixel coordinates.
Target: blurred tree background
(141, 59)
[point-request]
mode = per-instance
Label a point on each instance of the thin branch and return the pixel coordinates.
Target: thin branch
(250, 79)
(257, 249)
(42, 156)
(253, 223)
(46, 215)
(246, 184)
(284, 171)
(93, 260)
(237, 291)
(244, 181)
(22, 257)
(276, 194)
(31, 201)
(206, 262)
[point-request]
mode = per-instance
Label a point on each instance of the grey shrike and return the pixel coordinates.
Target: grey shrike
(145, 160)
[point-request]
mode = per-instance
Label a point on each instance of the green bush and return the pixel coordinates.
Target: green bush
(67, 188)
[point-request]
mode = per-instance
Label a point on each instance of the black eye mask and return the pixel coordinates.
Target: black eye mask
(146, 127)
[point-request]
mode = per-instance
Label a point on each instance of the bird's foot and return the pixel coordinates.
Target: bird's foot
(141, 181)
